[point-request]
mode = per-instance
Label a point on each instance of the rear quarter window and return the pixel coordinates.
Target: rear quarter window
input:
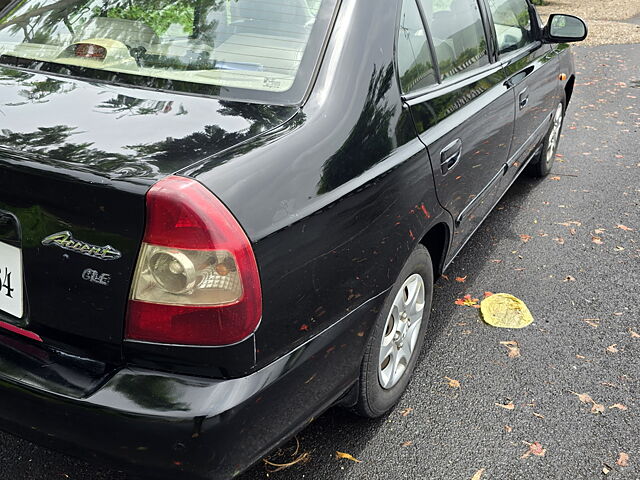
(415, 65)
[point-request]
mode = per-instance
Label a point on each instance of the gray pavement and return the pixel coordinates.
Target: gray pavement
(451, 433)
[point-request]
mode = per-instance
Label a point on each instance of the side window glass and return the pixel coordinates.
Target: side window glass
(415, 65)
(458, 35)
(512, 21)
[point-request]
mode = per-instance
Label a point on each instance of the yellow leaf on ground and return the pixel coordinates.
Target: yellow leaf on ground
(478, 474)
(619, 406)
(597, 408)
(634, 334)
(506, 406)
(505, 311)
(461, 279)
(346, 456)
(625, 228)
(453, 383)
(612, 348)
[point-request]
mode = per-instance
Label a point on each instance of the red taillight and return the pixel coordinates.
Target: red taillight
(196, 281)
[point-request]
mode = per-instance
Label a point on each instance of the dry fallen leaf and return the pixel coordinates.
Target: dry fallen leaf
(597, 408)
(634, 334)
(487, 294)
(612, 348)
(596, 240)
(303, 458)
(535, 448)
(507, 406)
(619, 406)
(625, 228)
(623, 460)
(508, 429)
(559, 240)
(406, 411)
(538, 415)
(406, 444)
(478, 474)
(569, 279)
(525, 238)
(554, 178)
(461, 279)
(592, 322)
(346, 456)
(514, 349)
(467, 301)
(453, 383)
(606, 470)
(584, 397)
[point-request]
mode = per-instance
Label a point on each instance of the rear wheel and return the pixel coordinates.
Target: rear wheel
(544, 163)
(395, 344)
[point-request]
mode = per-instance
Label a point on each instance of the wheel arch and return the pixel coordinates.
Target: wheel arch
(436, 241)
(568, 88)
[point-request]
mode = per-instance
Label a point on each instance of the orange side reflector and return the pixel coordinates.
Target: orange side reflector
(563, 76)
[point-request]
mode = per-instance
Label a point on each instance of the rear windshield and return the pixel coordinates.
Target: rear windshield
(252, 45)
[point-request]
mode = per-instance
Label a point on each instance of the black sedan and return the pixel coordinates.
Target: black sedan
(219, 218)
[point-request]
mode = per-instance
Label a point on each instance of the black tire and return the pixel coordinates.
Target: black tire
(542, 165)
(374, 400)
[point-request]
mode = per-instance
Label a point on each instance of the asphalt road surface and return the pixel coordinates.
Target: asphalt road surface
(578, 273)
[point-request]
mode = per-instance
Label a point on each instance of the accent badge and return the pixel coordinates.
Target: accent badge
(66, 241)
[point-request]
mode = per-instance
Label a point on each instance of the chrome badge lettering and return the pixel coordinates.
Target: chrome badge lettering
(66, 241)
(94, 276)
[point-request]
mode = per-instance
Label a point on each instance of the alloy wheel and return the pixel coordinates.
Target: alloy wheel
(401, 331)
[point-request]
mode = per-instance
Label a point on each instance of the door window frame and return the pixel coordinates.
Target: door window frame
(536, 28)
(464, 78)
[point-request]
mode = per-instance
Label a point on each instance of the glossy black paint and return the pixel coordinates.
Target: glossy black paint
(334, 193)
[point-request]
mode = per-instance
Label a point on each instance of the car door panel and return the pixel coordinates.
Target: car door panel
(467, 128)
(532, 75)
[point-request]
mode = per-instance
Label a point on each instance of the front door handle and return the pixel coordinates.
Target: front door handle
(450, 155)
(523, 98)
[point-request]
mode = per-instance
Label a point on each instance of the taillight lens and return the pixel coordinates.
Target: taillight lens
(196, 281)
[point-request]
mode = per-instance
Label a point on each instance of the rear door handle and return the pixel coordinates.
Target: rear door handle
(523, 98)
(450, 155)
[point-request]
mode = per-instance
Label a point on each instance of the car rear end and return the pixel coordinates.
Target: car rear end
(129, 296)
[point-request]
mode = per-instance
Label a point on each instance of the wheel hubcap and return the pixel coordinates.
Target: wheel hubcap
(401, 331)
(555, 133)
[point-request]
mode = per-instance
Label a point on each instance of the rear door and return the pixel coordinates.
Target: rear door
(532, 75)
(466, 118)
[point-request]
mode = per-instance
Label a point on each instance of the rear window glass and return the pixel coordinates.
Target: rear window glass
(248, 44)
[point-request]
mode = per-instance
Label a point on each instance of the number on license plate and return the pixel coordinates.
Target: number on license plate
(11, 280)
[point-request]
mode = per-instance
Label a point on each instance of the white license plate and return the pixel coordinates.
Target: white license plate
(11, 280)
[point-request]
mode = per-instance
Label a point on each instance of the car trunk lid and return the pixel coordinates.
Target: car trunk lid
(76, 160)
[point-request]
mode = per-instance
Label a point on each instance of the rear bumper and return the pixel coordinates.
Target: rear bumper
(171, 426)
